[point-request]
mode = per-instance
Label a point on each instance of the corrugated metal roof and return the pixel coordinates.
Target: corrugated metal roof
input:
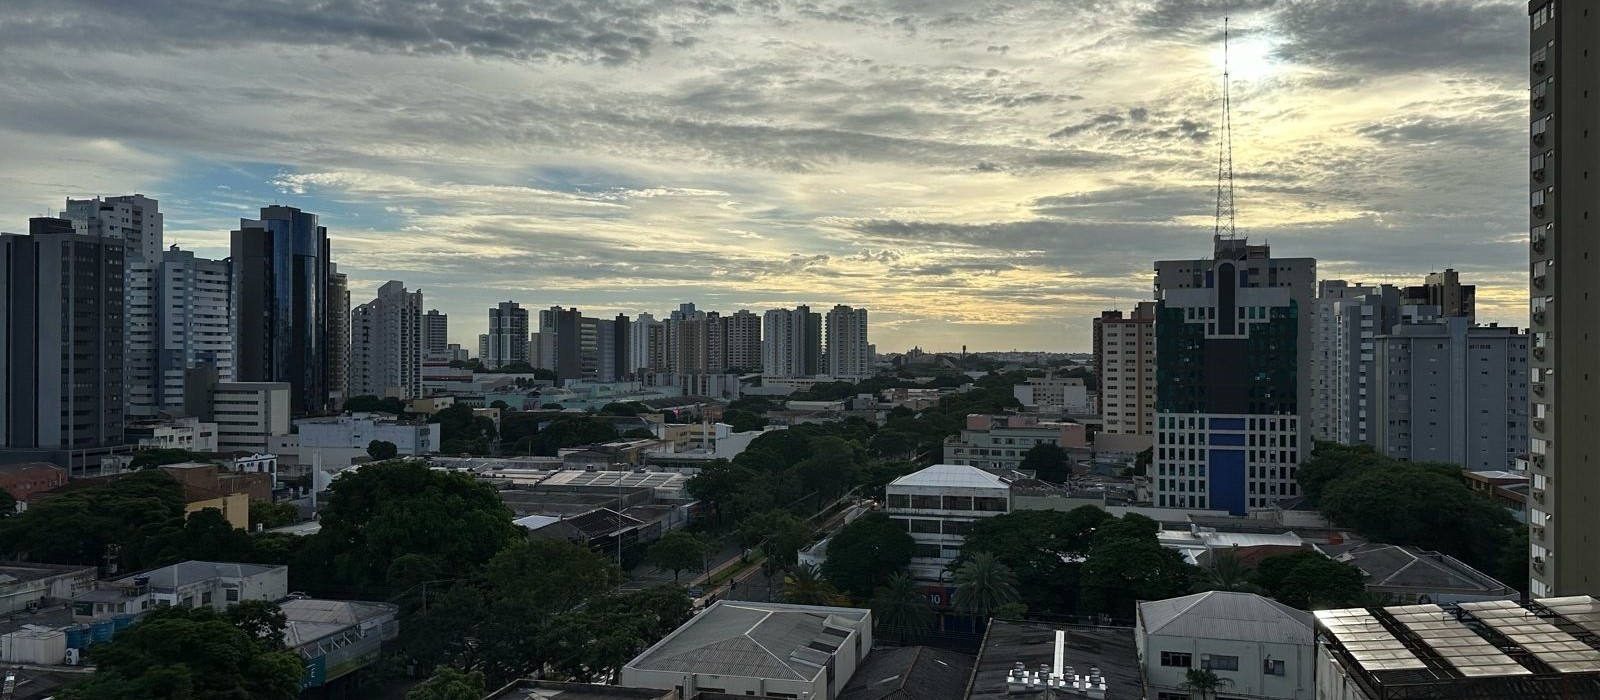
(951, 475)
(1227, 615)
(752, 640)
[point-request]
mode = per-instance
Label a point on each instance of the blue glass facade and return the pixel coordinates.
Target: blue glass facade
(281, 271)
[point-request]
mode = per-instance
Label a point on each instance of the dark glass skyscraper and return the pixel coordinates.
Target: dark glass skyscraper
(281, 270)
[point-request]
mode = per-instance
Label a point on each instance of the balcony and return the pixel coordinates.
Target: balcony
(1538, 532)
(1538, 424)
(1538, 353)
(1537, 387)
(1538, 564)
(1539, 281)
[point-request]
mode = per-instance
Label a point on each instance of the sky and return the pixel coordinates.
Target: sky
(983, 173)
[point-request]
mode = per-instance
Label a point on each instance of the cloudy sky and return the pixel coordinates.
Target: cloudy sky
(988, 173)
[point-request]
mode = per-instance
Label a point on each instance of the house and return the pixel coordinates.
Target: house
(769, 649)
(1408, 575)
(1262, 647)
(190, 584)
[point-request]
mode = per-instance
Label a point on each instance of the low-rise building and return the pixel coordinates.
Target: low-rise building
(938, 505)
(1041, 661)
(342, 439)
(528, 689)
(176, 434)
(1199, 542)
(774, 650)
(24, 479)
(1000, 443)
(911, 673)
(190, 584)
(337, 637)
(1406, 575)
(1262, 648)
(1052, 394)
(25, 586)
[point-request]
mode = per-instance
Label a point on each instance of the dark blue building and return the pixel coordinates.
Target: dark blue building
(281, 273)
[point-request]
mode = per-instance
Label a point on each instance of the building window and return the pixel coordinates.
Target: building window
(1220, 663)
(232, 595)
(1273, 667)
(925, 551)
(1176, 658)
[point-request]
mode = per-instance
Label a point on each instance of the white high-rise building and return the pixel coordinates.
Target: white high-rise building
(848, 352)
(1348, 317)
(386, 344)
(195, 323)
(647, 344)
(743, 336)
(791, 342)
(507, 340)
(137, 221)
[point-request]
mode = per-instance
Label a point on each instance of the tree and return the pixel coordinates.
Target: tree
(743, 421)
(372, 404)
(1048, 462)
(270, 515)
(381, 450)
(1308, 580)
(830, 469)
(460, 430)
(677, 551)
(149, 459)
(778, 533)
(639, 434)
(263, 621)
(1128, 564)
(1045, 548)
(901, 610)
(449, 684)
(804, 585)
(984, 585)
(1205, 682)
(1141, 461)
(179, 653)
(390, 509)
(864, 553)
(8, 504)
(1226, 572)
(620, 409)
(77, 526)
(593, 643)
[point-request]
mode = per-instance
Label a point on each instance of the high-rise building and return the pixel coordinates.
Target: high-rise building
(743, 336)
(1445, 291)
(386, 344)
(195, 324)
(1451, 392)
(577, 344)
(281, 282)
(647, 345)
(338, 354)
(1125, 363)
(137, 221)
(791, 342)
(612, 341)
(847, 351)
(694, 341)
(1231, 376)
(61, 338)
(436, 336)
(507, 340)
(1564, 446)
(1344, 372)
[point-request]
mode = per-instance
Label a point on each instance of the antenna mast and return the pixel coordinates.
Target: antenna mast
(1226, 215)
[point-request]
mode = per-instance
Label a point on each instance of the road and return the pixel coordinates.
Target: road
(752, 584)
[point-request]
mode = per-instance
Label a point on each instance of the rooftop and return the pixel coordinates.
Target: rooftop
(1008, 643)
(601, 522)
(311, 619)
(192, 572)
(910, 673)
(952, 476)
(1394, 566)
(1228, 615)
(554, 690)
(26, 467)
(19, 572)
(755, 640)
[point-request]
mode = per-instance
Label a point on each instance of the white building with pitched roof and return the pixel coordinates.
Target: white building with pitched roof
(938, 506)
(1262, 648)
(800, 652)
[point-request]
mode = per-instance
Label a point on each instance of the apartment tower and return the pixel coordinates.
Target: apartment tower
(386, 344)
(1125, 363)
(1564, 377)
(848, 351)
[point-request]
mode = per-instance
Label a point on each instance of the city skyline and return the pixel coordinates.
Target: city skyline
(979, 178)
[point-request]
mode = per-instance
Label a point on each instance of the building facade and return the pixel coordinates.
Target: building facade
(507, 339)
(1349, 317)
(1125, 363)
(135, 220)
(849, 354)
(1452, 392)
(743, 336)
(249, 414)
(1000, 443)
(61, 329)
(1262, 648)
(281, 281)
(1052, 394)
(1231, 377)
(341, 439)
(1444, 291)
(938, 506)
(386, 344)
(194, 319)
(436, 336)
(791, 342)
(338, 355)
(1565, 372)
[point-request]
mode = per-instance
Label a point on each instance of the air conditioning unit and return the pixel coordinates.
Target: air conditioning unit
(1538, 103)
(1538, 67)
(1538, 211)
(1538, 139)
(1538, 175)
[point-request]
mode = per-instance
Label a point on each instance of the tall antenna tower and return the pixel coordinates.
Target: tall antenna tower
(1226, 223)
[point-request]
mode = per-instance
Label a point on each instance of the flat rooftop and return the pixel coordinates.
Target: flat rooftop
(21, 572)
(1007, 643)
(553, 690)
(755, 640)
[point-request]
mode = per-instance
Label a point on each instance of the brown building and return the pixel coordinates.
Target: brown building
(202, 482)
(25, 479)
(1125, 367)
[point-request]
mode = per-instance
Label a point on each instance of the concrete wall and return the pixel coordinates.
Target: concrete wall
(1250, 680)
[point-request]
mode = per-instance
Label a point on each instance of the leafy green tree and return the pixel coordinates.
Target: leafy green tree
(984, 585)
(830, 469)
(1048, 462)
(592, 644)
(864, 553)
(778, 533)
(678, 551)
(901, 610)
(1308, 580)
(373, 404)
(743, 421)
(620, 409)
(449, 684)
(270, 515)
(1045, 548)
(77, 526)
(181, 653)
(1205, 683)
(530, 586)
(804, 585)
(381, 450)
(151, 458)
(572, 431)
(8, 504)
(1141, 461)
(473, 364)
(1226, 572)
(460, 430)
(1127, 564)
(263, 621)
(390, 509)
(205, 535)
(721, 484)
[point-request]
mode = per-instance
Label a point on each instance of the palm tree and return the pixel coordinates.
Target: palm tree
(804, 585)
(1227, 572)
(900, 609)
(983, 584)
(1204, 682)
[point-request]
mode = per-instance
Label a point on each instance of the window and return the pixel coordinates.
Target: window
(1176, 658)
(1220, 663)
(925, 551)
(232, 595)
(900, 501)
(1273, 667)
(925, 526)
